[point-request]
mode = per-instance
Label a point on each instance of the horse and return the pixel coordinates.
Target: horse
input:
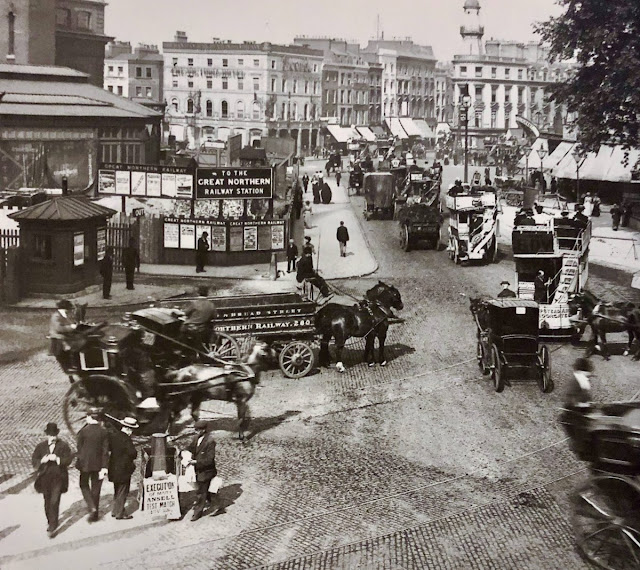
(369, 320)
(232, 383)
(605, 318)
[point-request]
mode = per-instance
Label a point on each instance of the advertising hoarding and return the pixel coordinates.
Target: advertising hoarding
(234, 183)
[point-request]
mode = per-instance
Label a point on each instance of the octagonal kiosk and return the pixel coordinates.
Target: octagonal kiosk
(61, 244)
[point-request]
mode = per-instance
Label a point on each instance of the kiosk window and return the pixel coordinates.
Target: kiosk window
(42, 247)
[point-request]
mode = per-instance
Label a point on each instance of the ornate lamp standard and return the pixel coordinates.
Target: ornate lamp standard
(542, 152)
(527, 150)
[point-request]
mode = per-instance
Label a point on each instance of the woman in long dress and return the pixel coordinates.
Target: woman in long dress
(588, 205)
(306, 215)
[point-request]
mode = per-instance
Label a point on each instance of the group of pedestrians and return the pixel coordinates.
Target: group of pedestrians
(130, 263)
(101, 453)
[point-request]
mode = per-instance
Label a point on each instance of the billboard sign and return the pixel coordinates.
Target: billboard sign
(238, 183)
(145, 180)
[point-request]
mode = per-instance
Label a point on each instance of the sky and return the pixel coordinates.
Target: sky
(427, 22)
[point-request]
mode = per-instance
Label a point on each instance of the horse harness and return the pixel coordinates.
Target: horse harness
(369, 306)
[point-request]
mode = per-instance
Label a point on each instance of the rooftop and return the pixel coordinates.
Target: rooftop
(64, 208)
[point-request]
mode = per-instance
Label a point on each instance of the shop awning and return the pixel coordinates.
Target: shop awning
(534, 157)
(617, 171)
(379, 132)
(566, 166)
(341, 134)
(396, 128)
(410, 127)
(426, 132)
(366, 134)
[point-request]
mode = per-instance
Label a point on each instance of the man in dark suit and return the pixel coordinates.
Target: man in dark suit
(199, 313)
(106, 270)
(201, 252)
(203, 450)
(52, 459)
(122, 457)
(506, 293)
(130, 262)
(93, 461)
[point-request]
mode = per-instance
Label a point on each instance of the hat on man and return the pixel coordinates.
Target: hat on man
(52, 429)
(64, 304)
(94, 412)
(307, 238)
(201, 425)
(130, 423)
(505, 282)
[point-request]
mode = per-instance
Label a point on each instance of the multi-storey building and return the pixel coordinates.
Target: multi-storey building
(443, 92)
(218, 89)
(68, 33)
(507, 82)
(136, 73)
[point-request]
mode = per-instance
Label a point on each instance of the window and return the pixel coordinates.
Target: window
(119, 89)
(224, 108)
(494, 93)
(328, 96)
(342, 96)
(479, 92)
(273, 64)
(225, 83)
(240, 83)
(174, 105)
(209, 109)
(256, 84)
(138, 91)
(11, 20)
(519, 73)
(42, 247)
(111, 69)
(63, 17)
(479, 71)
(507, 73)
(507, 95)
(284, 111)
(295, 111)
(174, 83)
(284, 86)
(295, 86)
(138, 72)
(306, 87)
(494, 119)
(189, 105)
(478, 119)
(315, 67)
(494, 72)
(148, 72)
(273, 84)
(209, 83)
(256, 63)
(190, 62)
(190, 84)
(256, 110)
(225, 62)
(110, 88)
(315, 87)
(463, 70)
(306, 112)
(84, 20)
(175, 61)
(209, 62)
(240, 62)
(149, 92)
(240, 109)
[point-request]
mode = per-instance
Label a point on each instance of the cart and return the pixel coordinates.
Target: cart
(606, 508)
(379, 192)
(507, 341)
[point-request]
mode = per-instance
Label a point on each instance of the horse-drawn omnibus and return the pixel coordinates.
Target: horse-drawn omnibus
(473, 226)
(559, 247)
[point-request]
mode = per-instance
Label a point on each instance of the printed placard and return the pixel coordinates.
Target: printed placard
(123, 183)
(187, 236)
(219, 238)
(264, 238)
(154, 184)
(161, 497)
(172, 236)
(168, 185)
(277, 236)
(228, 182)
(78, 249)
(101, 243)
(236, 237)
(250, 238)
(184, 186)
(107, 182)
(138, 183)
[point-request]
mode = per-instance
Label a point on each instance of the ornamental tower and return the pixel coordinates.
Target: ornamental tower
(472, 29)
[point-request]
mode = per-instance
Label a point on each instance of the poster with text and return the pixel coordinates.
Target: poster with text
(184, 186)
(172, 236)
(277, 237)
(160, 497)
(78, 249)
(168, 185)
(154, 183)
(138, 184)
(101, 242)
(236, 236)
(264, 238)
(107, 182)
(187, 236)
(250, 238)
(123, 182)
(219, 238)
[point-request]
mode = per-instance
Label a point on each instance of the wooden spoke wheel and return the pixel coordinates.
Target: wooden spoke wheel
(96, 391)
(296, 359)
(606, 522)
(405, 241)
(497, 370)
(544, 369)
(223, 347)
(482, 358)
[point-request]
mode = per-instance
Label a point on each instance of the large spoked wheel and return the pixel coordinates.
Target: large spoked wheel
(497, 371)
(405, 242)
(96, 391)
(544, 370)
(223, 347)
(606, 522)
(296, 359)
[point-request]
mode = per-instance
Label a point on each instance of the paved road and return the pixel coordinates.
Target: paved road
(419, 464)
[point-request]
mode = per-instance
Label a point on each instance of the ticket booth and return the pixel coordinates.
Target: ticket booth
(62, 242)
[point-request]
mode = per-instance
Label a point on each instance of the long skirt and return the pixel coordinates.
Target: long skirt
(306, 218)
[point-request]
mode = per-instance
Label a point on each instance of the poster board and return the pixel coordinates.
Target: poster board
(187, 236)
(219, 238)
(146, 180)
(101, 243)
(172, 236)
(250, 238)
(234, 183)
(160, 497)
(78, 249)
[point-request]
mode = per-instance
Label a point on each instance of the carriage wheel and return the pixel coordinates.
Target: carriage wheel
(405, 241)
(606, 522)
(223, 347)
(96, 391)
(481, 357)
(296, 359)
(544, 368)
(497, 373)
(456, 253)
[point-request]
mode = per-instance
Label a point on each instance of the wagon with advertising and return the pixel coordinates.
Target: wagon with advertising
(379, 192)
(507, 341)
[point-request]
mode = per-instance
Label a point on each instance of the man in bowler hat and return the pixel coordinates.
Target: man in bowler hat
(122, 457)
(93, 461)
(52, 458)
(201, 252)
(506, 293)
(106, 270)
(203, 451)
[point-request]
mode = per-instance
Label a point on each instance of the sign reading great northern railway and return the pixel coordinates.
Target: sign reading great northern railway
(229, 182)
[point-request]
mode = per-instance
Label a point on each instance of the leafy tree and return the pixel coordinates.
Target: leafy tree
(604, 90)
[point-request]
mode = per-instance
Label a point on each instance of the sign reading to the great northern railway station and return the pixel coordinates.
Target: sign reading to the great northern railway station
(229, 182)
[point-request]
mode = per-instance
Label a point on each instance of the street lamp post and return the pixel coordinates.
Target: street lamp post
(465, 103)
(542, 152)
(576, 157)
(526, 150)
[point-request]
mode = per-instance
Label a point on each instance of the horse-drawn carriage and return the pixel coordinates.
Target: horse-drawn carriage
(356, 179)
(379, 193)
(606, 509)
(507, 340)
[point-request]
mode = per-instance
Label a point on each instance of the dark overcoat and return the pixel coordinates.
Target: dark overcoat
(51, 472)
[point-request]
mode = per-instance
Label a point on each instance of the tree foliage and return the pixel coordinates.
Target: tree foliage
(603, 36)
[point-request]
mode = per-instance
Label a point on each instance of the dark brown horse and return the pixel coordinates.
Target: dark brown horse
(603, 318)
(233, 383)
(369, 320)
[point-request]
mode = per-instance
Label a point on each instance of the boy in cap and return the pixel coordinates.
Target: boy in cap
(506, 293)
(122, 459)
(93, 461)
(52, 458)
